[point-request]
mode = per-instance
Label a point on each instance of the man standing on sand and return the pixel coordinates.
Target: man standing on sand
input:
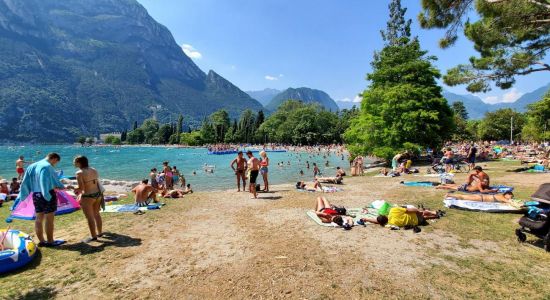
(239, 171)
(20, 167)
(253, 166)
(144, 193)
(41, 181)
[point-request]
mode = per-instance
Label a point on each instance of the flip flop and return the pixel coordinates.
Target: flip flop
(55, 243)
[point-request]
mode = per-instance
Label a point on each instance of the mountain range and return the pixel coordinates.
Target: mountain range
(75, 67)
(272, 98)
(477, 108)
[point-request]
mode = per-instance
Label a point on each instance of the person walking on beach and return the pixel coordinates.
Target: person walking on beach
(41, 181)
(20, 167)
(90, 196)
(240, 163)
(253, 167)
(263, 169)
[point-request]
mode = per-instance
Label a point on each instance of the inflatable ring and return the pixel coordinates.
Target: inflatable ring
(19, 250)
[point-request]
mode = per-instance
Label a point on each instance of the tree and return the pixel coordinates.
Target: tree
(403, 104)
(109, 139)
(246, 127)
(90, 140)
(537, 127)
(164, 133)
(460, 110)
(179, 129)
(510, 36)
(81, 140)
(150, 128)
(260, 119)
(207, 132)
(123, 135)
(495, 126)
(135, 125)
(220, 121)
(136, 136)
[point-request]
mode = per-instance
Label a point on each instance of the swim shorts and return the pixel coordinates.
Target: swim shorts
(472, 159)
(253, 176)
(41, 205)
(463, 188)
(448, 161)
(263, 170)
(20, 171)
(143, 204)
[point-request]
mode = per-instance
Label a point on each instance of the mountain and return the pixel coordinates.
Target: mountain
(521, 103)
(263, 96)
(477, 108)
(474, 105)
(305, 95)
(76, 67)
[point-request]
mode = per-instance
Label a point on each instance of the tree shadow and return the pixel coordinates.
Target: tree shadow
(38, 293)
(33, 264)
(107, 240)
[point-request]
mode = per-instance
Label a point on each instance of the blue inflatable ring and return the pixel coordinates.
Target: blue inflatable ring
(19, 250)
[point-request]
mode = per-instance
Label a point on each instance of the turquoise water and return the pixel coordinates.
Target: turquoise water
(134, 163)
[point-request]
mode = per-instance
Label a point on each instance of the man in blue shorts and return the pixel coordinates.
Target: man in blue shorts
(41, 181)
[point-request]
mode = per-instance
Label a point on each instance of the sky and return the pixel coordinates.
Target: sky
(321, 44)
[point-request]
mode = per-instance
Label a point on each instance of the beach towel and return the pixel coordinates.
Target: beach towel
(120, 208)
(325, 189)
(501, 190)
(356, 213)
(420, 183)
(490, 207)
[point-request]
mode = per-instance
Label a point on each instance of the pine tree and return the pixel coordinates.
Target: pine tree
(403, 107)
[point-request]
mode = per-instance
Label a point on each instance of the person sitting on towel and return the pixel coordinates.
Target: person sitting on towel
(144, 193)
(405, 217)
(328, 214)
(502, 198)
(340, 173)
(477, 182)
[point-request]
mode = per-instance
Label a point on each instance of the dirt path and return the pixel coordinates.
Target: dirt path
(225, 245)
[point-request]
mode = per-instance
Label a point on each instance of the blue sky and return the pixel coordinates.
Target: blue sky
(322, 44)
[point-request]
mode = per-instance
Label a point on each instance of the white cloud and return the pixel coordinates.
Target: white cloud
(511, 96)
(191, 51)
(281, 75)
(508, 97)
(491, 99)
(357, 99)
(270, 78)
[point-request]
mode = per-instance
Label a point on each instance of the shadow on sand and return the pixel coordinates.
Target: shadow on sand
(107, 240)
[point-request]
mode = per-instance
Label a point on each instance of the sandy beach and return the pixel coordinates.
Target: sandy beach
(226, 245)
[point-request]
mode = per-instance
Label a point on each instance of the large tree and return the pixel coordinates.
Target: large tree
(499, 124)
(511, 36)
(537, 127)
(403, 104)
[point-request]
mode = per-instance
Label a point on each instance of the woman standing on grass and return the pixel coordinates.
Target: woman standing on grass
(90, 196)
(264, 163)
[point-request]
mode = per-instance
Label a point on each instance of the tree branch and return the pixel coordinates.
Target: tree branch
(547, 6)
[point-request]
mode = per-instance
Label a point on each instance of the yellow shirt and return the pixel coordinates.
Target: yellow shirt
(399, 216)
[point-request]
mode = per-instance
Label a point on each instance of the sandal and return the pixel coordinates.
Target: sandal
(89, 240)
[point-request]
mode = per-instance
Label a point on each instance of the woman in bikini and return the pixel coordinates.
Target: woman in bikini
(90, 196)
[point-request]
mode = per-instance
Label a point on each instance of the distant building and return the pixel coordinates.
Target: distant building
(103, 136)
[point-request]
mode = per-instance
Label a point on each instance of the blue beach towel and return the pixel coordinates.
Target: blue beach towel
(420, 183)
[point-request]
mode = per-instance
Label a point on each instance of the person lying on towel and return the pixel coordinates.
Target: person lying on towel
(335, 180)
(301, 185)
(477, 182)
(502, 198)
(329, 213)
(405, 217)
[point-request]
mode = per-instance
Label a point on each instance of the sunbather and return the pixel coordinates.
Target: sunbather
(334, 180)
(301, 185)
(503, 198)
(328, 214)
(477, 182)
(405, 217)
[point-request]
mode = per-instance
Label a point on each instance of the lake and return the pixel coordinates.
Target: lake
(134, 163)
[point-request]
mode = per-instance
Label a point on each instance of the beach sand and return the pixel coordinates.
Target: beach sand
(218, 245)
